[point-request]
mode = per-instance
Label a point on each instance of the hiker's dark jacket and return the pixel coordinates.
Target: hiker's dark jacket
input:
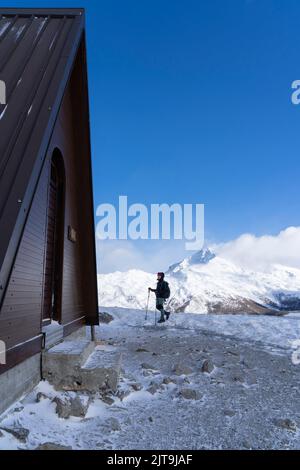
(160, 289)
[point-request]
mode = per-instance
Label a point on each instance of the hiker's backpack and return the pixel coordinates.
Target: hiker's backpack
(166, 291)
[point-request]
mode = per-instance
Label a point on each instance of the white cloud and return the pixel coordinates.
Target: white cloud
(149, 256)
(257, 253)
(248, 251)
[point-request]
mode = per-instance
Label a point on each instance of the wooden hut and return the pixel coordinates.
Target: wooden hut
(48, 277)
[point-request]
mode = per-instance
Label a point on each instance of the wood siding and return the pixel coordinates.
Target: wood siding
(20, 316)
(21, 313)
(22, 309)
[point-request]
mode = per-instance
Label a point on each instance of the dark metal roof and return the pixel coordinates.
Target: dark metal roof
(37, 51)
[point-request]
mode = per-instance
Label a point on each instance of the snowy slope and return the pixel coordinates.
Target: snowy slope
(206, 283)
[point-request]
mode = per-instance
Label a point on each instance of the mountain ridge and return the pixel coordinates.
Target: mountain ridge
(208, 283)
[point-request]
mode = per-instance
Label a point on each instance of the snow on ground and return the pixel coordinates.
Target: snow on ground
(165, 401)
(270, 330)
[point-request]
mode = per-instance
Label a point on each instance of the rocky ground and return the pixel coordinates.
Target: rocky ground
(179, 389)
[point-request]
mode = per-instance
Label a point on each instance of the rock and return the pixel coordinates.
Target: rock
(150, 419)
(189, 394)
(18, 409)
(180, 369)
(153, 388)
(63, 406)
(40, 396)
(79, 406)
(233, 353)
(1, 434)
(186, 380)
(99, 445)
(113, 424)
(17, 431)
(107, 400)
(123, 394)
(71, 405)
(286, 424)
(141, 350)
(147, 366)
(146, 373)
(217, 381)
(105, 317)
(229, 413)
(136, 387)
(207, 366)
(247, 445)
(167, 380)
(52, 446)
(107, 441)
(238, 378)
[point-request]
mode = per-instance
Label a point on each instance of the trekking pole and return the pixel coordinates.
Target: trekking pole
(155, 314)
(146, 316)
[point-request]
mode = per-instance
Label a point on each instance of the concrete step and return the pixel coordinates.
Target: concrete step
(78, 365)
(63, 360)
(102, 370)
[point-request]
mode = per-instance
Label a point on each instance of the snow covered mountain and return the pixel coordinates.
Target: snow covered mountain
(206, 283)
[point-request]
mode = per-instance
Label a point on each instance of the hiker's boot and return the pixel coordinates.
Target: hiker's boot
(167, 314)
(162, 320)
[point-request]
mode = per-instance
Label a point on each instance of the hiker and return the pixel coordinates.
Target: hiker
(162, 293)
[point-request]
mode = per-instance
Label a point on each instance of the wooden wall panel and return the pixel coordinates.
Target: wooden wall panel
(20, 316)
(21, 311)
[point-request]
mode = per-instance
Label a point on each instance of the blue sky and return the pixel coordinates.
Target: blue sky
(190, 103)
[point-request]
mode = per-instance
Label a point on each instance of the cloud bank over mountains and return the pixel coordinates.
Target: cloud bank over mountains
(247, 251)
